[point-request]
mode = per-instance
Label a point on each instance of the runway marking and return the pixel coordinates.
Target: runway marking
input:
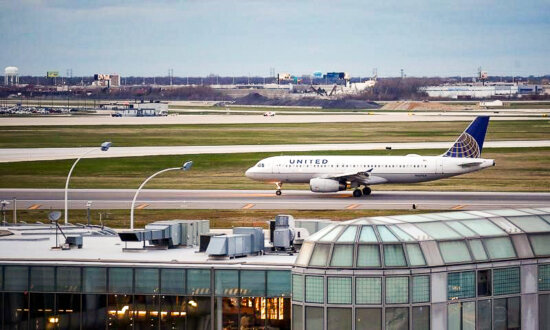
(458, 207)
(34, 206)
(248, 206)
(352, 206)
(142, 206)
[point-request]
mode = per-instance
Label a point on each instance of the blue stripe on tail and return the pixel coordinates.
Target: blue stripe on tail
(470, 143)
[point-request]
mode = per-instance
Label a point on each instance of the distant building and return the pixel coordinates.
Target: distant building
(139, 109)
(11, 75)
(106, 80)
(478, 91)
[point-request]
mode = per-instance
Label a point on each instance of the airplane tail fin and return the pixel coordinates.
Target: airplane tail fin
(470, 143)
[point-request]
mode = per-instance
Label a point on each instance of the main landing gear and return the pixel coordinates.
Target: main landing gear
(279, 186)
(358, 192)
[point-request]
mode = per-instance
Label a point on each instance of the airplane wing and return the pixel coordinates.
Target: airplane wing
(363, 177)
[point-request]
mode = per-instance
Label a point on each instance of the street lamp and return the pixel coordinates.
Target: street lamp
(185, 167)
(104, 147)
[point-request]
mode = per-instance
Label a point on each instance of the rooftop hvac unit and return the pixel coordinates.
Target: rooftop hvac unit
(205, 240)
(283, 235)
(243, 241)
(168, 233)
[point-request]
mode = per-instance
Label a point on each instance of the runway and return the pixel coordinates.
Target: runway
(266, 199)
(260, 119)
(35, 154)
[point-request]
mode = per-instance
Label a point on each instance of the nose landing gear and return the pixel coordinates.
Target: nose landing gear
(279, 186)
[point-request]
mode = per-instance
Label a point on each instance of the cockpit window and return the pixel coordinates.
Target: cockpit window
(260, 165)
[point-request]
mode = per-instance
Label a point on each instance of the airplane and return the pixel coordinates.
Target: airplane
(327, 174)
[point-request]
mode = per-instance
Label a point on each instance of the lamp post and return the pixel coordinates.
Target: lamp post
(104, 147)
(185, 167)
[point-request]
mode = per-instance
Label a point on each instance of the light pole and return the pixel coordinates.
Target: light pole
(185, 167)
(104, 147)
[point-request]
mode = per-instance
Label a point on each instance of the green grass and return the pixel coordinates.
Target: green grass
(218, 218)
(157, 135)
(518, 169)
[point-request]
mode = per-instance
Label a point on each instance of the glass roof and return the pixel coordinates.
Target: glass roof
(404, 241)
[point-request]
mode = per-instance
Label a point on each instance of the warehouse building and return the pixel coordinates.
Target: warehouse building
(455, 270)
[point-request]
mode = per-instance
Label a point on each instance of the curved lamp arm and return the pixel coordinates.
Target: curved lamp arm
(185, 167)
(67, 184)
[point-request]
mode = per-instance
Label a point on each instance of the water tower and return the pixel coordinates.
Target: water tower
(11, 75)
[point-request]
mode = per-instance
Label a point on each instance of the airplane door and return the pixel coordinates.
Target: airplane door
(439, 166)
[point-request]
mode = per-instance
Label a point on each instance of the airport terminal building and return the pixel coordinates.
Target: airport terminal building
(455, 270)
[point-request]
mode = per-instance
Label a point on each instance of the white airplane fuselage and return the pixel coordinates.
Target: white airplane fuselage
(382, 169)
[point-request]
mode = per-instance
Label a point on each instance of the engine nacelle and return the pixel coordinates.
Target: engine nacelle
(325, 185)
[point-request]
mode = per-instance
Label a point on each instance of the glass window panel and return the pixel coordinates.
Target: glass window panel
(68, 310)
(42, 279)
(544, 307)
(506, 281)
(453, 317)
(484, 287)
(461, 229)
(397, 318)
(397, 290)
(421, 288)
(68, 279)
(95, 279)
(314, 289)
(176, 311)
(331, 235)
(393, 255)
(530, 224)
(253, 313)
(500, 247)
(454, 251)
(278, 283)
(305, 253)
(297, 318)
(146, 315)
(320, 255)
(41, 309)
(368, 256)
(16, 310)
(367, 235)
(278, 313)
(227, 282)
(541, 244)
(477, 249)
(416, 258)
(339, 290)
(147, 280)
(421, 318)
(469, 315)
(348, 235)
(253, 283)
(513, 305)
(386, 235)
(484, 227)
(401, 234)
(544, 277)
(314, 318)
(297, 287)
(121, 280)
(120, 311)
(199, 311)
(368, 290)
(368, 319)
(484, 315)
(172, 281)
(342, 256)
(339, 319)
(198, 281)
(461, 285)
(1, 278)
(438, 230)
(500, 314)
(508, 212)
(321, 233)
(16, 278)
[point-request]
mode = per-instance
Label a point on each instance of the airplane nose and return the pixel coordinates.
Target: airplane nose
(248, 173)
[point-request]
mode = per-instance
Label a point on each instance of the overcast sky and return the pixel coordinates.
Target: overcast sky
(241, 37)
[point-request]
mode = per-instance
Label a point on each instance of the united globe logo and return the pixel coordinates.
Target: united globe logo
(465, 147)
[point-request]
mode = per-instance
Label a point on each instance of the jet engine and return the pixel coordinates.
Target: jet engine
(325, 185)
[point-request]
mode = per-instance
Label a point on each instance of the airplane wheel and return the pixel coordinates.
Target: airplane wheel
(357, 193)
(366, 191)
(278, 193)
